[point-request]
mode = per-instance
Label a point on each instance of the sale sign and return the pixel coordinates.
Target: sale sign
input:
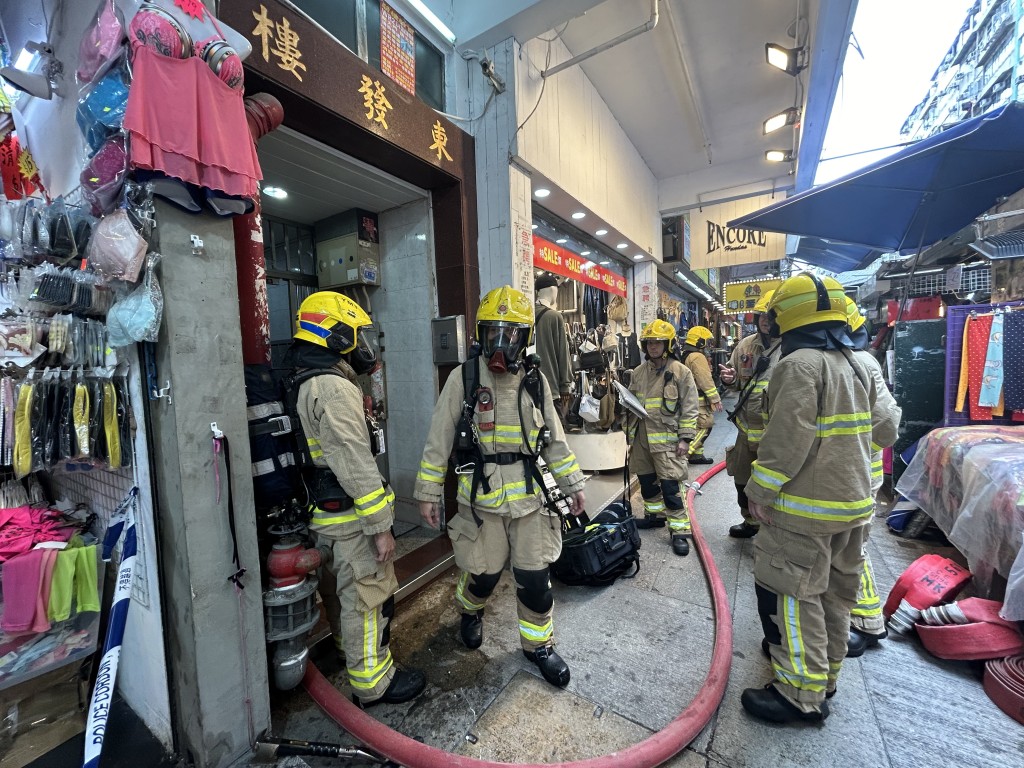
(554, 258)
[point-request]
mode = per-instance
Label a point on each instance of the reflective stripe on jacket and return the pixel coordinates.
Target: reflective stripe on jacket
(500, 431)
(331, 411)
(813, 467)
(671, 407)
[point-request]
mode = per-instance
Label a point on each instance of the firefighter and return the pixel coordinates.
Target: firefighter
(503, 409)
(660, 442)
(810, 487)
(867, 626)
(693, 357)
(353, 506)
(748, 371)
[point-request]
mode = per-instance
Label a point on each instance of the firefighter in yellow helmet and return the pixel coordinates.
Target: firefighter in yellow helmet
(693, 357)
(660, 442)
(867, 626)
(748, 371)
(497, 411)
(811, 489)
(352, 506)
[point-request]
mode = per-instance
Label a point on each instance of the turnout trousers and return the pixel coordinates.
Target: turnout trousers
(806, 586)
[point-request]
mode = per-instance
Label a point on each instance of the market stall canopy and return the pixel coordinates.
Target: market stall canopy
(915, 197)
(835, 257)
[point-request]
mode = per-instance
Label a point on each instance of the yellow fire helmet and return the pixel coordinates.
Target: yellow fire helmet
(762, 304)
(805, 299)
(854, 318)
(504, 322)
(659, 330)
(330, 320)
(698, 336)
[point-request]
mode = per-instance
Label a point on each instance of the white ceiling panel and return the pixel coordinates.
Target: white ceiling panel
(321, 181)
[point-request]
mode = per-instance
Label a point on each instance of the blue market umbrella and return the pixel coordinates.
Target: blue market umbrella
(916, 197)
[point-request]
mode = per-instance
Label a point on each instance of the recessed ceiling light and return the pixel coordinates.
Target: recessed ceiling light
(622, 246)
(601, 232)
(561, 241)
(541, 192)
(605, 263)
(638, 257)
(579, 215)
(275, 192)
(534, 226)
(584, 253)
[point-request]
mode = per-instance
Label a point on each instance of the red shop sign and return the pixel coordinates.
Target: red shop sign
(554, 258)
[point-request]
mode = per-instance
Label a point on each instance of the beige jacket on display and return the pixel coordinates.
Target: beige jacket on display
(499, 431)
(825, 420)
(750, 419)
(331, 411)
(670, 401)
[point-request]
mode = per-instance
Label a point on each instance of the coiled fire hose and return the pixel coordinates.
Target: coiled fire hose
(654, 750)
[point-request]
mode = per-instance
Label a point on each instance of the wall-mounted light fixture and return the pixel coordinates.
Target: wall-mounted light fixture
(789, 60)
(786, 117)
(779, 156)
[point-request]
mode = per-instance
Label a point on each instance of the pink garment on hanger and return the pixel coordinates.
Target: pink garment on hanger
(40, 622)
(17, 532)
(21, 591)
(978, 331)
(185, 122)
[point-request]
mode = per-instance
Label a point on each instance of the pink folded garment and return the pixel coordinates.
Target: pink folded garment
(22, 576)
(41, 623)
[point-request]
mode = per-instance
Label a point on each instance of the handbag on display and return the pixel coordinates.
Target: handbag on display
(617, 310)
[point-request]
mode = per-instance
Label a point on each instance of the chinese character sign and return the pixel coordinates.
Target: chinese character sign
(397, 48)
(440, 141)
(554, 258)
(522, 257)
(742, 296)
(279, 40)
(375, 101)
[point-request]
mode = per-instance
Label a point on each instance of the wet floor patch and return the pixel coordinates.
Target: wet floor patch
(531, 722)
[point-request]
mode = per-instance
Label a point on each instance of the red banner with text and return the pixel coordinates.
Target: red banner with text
(554, 258)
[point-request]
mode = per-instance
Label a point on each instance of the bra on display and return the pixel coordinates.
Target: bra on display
(156, 28)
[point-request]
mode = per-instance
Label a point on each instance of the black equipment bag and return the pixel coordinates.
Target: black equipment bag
(597, 552)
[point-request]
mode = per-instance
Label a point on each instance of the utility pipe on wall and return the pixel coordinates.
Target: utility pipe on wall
(644, 28)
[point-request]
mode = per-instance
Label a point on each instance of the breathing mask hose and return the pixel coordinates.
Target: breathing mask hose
(648, 753)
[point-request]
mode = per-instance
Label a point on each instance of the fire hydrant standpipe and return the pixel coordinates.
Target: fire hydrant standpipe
(650, 752)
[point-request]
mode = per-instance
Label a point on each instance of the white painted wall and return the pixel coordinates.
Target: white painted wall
(574, 140)
(403, 308)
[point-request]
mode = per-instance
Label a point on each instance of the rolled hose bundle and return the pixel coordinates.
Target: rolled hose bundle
(650, 752)
(1004, 684)
(969, 630)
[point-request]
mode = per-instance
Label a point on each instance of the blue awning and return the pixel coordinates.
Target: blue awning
(915, 197)
(835, 257)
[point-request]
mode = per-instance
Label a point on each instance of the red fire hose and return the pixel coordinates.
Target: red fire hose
(653, 751)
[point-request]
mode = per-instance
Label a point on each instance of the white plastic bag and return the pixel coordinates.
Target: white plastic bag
(590, 406)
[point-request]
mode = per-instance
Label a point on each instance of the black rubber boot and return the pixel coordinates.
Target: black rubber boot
(861, 641)
(471, 630)
(551, 665)
(744, 530)
(700, 458)
(768, 704)
(406, 685)
(650, 521)
(680, 545)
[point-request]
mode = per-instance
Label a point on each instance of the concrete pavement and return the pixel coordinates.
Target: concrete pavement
(639, 651)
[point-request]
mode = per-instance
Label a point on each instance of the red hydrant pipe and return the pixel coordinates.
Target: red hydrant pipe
(650, 752)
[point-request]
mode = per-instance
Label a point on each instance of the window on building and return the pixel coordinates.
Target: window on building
(429, 60)
(336, 16)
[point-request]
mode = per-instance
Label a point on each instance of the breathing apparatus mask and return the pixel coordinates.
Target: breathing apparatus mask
(363, 358)
(502, 344)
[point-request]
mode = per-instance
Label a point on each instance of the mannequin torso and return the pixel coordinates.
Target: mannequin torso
(197, 29)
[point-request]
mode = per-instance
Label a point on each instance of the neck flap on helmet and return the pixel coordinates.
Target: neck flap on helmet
(831, 334)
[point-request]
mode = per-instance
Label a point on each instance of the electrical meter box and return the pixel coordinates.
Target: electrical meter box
(449, 334)
(348, 249)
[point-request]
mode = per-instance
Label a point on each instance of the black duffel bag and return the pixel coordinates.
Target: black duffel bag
(597, 552)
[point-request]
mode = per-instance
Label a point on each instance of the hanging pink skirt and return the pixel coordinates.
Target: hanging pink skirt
(187, 123)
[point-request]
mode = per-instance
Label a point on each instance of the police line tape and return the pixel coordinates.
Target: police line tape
(122, 521)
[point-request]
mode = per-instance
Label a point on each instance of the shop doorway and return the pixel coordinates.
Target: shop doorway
(339, 224)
